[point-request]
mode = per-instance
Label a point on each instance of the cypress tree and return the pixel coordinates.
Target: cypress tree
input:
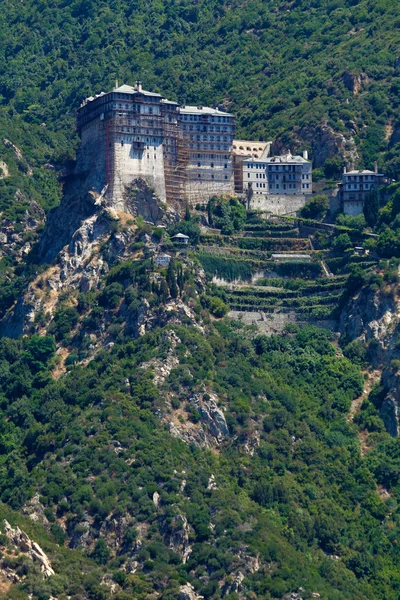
(171, 280)
(371, 208)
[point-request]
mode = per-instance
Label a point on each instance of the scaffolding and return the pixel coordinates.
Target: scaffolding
(179, 156)
(176, 161)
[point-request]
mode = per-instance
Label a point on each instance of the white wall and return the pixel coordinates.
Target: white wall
(131, 163)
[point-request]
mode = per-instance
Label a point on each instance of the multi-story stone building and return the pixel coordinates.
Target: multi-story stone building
(243, 150)
(355, 187)
(183, 153)
(288, 174)
(278, 175)
(208, 133)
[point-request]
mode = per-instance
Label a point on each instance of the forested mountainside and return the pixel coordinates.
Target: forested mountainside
(155, 448)
(285, 69)
(202, 421)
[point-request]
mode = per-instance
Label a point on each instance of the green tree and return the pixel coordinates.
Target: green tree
(371, 208)
(101, 552)
(316, 207)
(171, 279)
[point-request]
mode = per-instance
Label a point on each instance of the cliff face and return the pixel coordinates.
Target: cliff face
(324, 141)
(373, 318)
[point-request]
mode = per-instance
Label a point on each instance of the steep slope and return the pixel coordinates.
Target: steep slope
(176, 450)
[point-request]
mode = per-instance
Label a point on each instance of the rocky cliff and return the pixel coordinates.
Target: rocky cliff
(372, 317)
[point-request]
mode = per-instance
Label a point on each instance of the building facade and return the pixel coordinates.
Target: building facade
(355, 187)
(183, 153)
(243, 150)
(208, 133)
(278, 175)
(288, 174)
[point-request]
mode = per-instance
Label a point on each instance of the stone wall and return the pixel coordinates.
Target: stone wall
(279, 205)
(353, 207)
(131, 163)
(91, 157)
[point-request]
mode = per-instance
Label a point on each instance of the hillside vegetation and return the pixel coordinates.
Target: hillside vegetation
(281, 67)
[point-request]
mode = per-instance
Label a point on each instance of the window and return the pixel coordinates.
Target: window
(225, 166)
(199, 175)
(212, 165)
(199, 164)
(226, 176)
(248, 175)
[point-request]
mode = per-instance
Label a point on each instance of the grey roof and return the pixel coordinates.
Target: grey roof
(362, 172)
(128, 89)
(287, 159)
(181, 236)
(165, 101)
(203, 110)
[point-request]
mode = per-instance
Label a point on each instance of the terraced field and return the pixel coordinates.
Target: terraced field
(299, 285)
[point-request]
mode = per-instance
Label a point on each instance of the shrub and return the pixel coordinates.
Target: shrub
(65, 319)
(316, 208)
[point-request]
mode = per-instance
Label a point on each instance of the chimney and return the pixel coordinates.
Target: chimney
(345, 169)
(116, 83)
(376, 167)
(138, 86)
(305, 154)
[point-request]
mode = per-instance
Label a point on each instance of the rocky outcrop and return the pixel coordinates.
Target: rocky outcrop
(35, 510)
(140, 199)
(212, 416)
(178, 535)
(373, 318)
(22, 541)
(354, 82)
(324, 142)
(187, 593)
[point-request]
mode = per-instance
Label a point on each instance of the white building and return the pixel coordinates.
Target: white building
(243, 150)
(209, 135)
(184, 153)
(255, 175)
(278, 175)
(288, 174)
(355, 187)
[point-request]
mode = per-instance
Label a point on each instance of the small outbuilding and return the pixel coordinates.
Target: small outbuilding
(180, 238)
(361, 251)
(290, 257)
(162, 260)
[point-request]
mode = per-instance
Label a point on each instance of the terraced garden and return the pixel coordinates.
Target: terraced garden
(300, 284)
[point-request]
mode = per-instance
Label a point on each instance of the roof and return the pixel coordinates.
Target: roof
(287, 158)
(181, 236)
(249, 148)
(363, 172)
(203, 110)
(165, 101)
(291, 256)
(128, 89)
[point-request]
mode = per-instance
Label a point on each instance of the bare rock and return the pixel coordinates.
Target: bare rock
(140, 199)
(187, 593)
(35, 510)
(179, 537)
(211, 415)
(22, 541)
(354, 82)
